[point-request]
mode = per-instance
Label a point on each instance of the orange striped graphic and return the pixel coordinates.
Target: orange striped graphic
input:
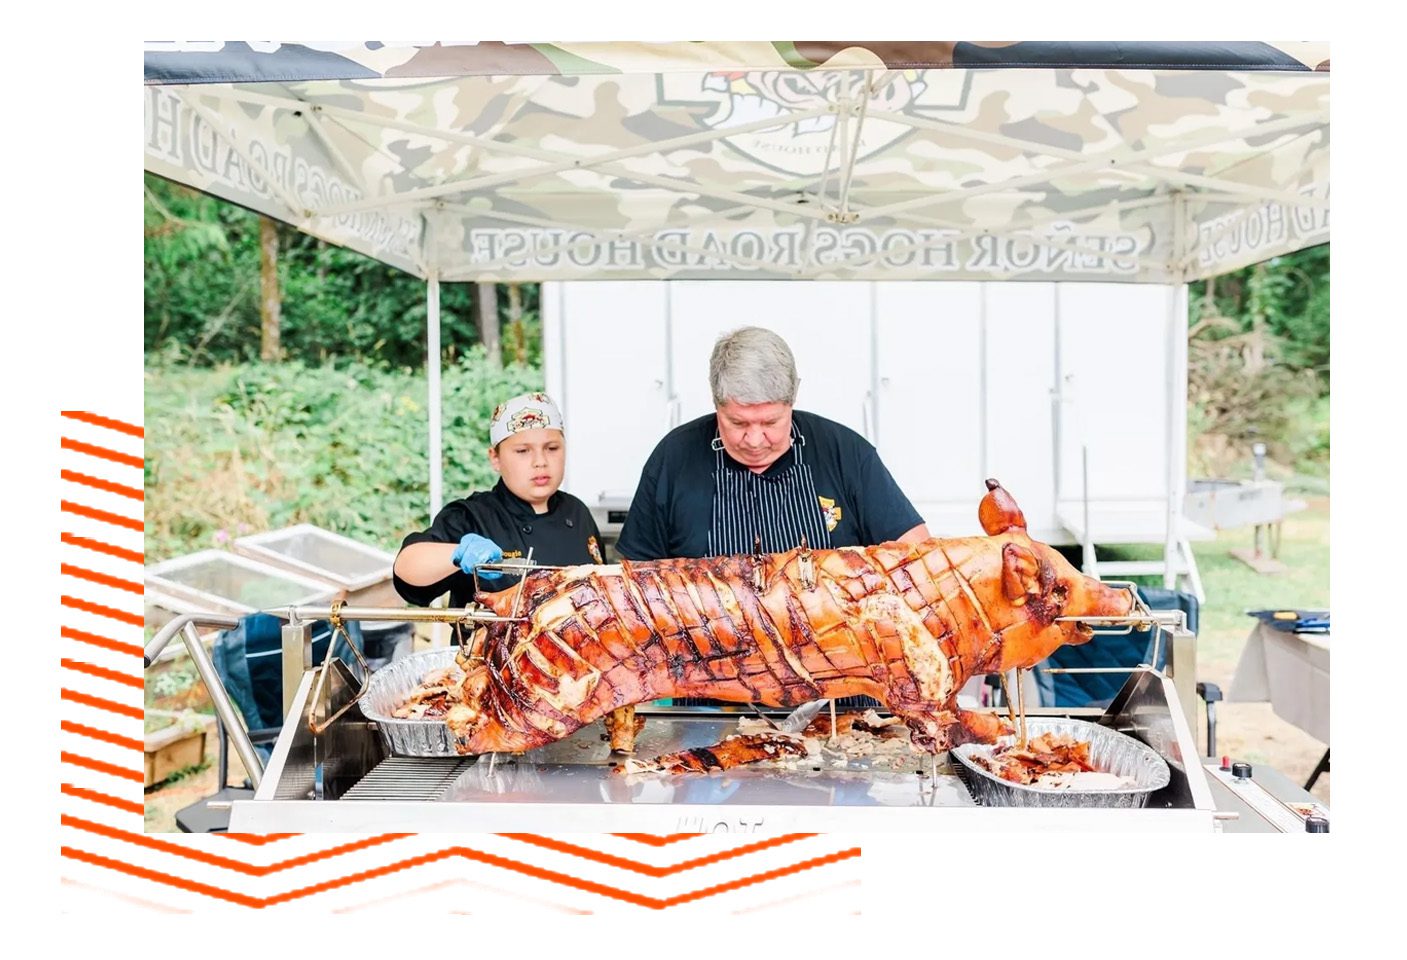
(106, 736)
(111, 612)
(478, 856)
(111, 706)
(93, 639)
(97, 483)
(657, 840)
(103, 672)
(88, 763)
(97, 545)
(82, 678)
(82, 573)
(650, 870)
(115, 519)
(102, 453)
(214, 860)
(84, 417)
(257, 840)
(96, 797)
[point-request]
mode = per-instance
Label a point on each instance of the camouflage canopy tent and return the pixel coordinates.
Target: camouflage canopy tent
(1135, 162)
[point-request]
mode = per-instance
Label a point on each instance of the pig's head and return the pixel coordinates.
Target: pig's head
(1039, 586)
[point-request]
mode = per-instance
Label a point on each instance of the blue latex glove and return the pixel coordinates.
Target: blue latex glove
(474, 549)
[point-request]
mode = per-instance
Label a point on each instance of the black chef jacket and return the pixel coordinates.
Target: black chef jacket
(565, 535)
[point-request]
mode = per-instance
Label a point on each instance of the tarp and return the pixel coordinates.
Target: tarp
(1136, 162)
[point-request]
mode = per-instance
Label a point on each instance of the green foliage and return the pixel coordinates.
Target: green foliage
(1288, 296)
(169, 683)
(201, 260)
(186, 772)
(246, 447)
(1258, 366)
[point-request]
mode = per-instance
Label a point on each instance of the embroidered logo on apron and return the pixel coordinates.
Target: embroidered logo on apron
(830, 512)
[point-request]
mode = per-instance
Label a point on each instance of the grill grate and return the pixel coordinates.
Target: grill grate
(409, 778)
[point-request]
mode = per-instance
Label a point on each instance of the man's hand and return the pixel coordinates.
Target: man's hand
(474, 550)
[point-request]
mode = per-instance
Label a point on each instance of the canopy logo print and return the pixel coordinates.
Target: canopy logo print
(799, 149)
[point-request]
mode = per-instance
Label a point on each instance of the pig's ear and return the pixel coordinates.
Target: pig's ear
(998, 511)
(1021, 573)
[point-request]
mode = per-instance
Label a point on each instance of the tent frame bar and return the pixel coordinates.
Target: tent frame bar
(297, 214)
(339, 159)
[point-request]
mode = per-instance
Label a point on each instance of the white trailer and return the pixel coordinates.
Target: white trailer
(1074, 395)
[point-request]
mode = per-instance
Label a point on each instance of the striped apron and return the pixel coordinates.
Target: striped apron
(779, 508)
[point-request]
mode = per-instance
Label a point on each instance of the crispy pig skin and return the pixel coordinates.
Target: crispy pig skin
(731, 752)
(907, 624)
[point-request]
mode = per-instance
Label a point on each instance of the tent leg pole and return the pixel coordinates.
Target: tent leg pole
(439, 632)
(432, 368)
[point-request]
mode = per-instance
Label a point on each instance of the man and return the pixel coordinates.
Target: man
(758, 469)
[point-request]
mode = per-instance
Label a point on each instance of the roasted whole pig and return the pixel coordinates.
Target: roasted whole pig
(732, 752)
(905, 624)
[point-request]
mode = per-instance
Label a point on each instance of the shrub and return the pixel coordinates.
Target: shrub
(240, 448)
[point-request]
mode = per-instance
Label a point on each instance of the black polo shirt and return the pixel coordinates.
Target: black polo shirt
(565, 535)
(696, 501)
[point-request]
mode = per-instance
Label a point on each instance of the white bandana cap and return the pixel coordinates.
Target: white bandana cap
(526, 411)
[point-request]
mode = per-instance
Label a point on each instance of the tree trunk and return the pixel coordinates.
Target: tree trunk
(488, 321)
(515, 320)
(270, 297)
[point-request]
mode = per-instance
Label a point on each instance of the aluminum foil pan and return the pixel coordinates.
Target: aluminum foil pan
(390, 687)
(1109, 752)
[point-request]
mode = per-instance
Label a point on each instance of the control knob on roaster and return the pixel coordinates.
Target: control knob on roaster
(1241, 770)
(1316, 825)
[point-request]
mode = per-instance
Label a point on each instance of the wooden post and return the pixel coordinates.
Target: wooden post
(488, 321)
(515, 321)
(270, 295)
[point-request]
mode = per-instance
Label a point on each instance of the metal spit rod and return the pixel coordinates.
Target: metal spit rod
(412, 614)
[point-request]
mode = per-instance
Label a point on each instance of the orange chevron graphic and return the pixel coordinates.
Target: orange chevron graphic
(93, 639)
(113, 613)
(214, 860)
(172, 847)
(87, 543)
(103, 672)
(657, 840)
(477, 856)
(110, 706)
(96, 797)
(98, 421)
(650, 870)
(98, 483)
(255, 839)
(103, 453)
(94, 733)
(88, 763)
(92, 576)
(116, 519)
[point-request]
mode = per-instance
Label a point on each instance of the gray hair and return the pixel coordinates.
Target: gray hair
(752, 365)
